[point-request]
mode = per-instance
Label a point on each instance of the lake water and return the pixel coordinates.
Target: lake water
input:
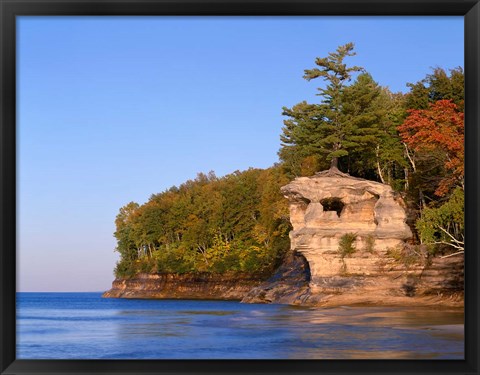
(86, 326)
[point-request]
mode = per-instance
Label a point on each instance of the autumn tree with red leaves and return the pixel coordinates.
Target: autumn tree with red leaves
(438, 130)
(436, 134)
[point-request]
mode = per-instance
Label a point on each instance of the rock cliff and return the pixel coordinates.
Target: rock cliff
(325, 207)
(186, 286)
(352, 234)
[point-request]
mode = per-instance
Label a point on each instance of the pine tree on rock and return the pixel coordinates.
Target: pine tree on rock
(320, 129)
(351, 128)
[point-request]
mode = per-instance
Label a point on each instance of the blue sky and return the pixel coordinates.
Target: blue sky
(114, 109)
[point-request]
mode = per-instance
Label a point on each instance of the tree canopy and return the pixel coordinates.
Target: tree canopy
(352, 128)
(321, 129)
(439, 131)
(237, 223)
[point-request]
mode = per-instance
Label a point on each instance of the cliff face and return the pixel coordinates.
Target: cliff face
(381, 268)
(186, 286)
(430, 282)
(325, 207)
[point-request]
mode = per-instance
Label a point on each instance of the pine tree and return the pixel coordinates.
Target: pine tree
(320, 129)
(354, 127)
(333, 70)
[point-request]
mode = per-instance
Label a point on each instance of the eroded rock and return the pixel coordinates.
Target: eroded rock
(331, 204)
(185, 286)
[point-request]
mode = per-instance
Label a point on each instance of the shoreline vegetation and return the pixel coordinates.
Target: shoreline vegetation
(236, 227)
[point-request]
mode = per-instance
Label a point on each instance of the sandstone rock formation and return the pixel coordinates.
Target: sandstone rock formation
(325, 207)
(186, 286)
(382, 269)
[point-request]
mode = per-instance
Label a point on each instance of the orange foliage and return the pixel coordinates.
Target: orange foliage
(438, 128)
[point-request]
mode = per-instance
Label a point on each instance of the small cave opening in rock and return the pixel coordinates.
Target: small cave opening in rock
(332, 204)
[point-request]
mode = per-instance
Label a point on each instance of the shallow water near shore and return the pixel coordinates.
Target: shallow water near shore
(86, 326)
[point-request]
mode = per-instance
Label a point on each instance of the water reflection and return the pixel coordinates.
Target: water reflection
(132, 329)
(375, 333)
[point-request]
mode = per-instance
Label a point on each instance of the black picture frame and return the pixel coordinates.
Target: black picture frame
(10, 9)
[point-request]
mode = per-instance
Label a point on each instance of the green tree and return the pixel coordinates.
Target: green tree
(321, 129)
(391, 163)
(302, 140)
(125, 232)
(437, 86)
(374, 150)
(336, 73)
(444, 225)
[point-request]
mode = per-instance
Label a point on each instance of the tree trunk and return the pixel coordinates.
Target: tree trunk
(410, 158)
(334, 163)
(405, 170)
(379, 170)
(423, 204)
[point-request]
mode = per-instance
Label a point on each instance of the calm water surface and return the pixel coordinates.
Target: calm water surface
(86, 326)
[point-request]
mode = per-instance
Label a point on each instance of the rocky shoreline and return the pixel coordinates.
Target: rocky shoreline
(350, 244)
(183, 286)
(439, 283)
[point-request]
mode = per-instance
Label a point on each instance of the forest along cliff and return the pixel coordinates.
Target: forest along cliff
(350, 244)
(352, 234)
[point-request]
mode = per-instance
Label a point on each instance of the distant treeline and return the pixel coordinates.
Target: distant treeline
(240, 223)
